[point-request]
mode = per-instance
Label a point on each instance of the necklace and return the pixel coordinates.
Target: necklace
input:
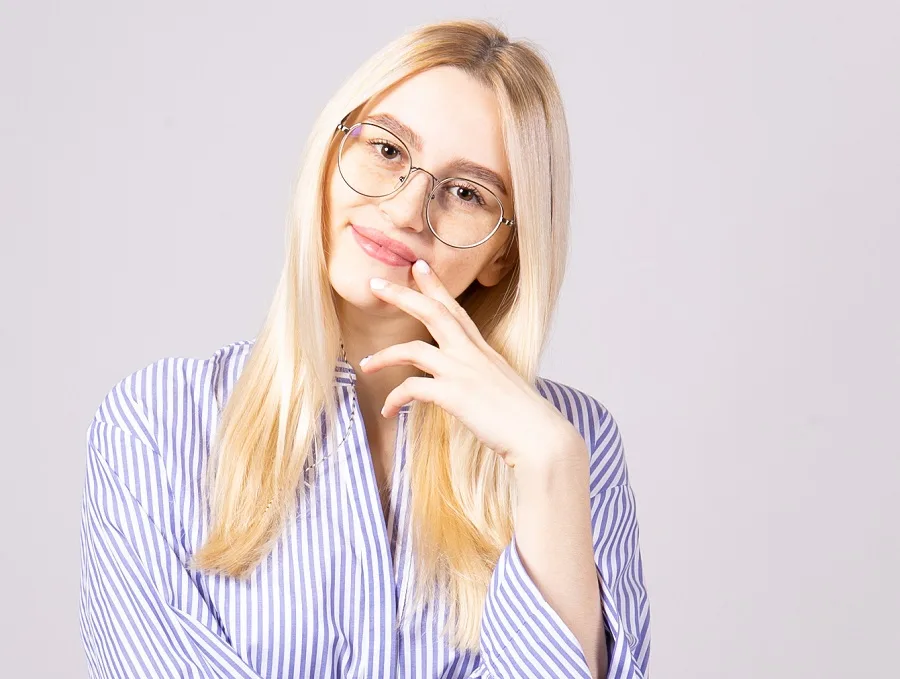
(338, 446)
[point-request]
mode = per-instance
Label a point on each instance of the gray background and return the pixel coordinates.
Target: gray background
(731, 297)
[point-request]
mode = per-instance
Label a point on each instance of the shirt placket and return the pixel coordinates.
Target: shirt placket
(372, 555)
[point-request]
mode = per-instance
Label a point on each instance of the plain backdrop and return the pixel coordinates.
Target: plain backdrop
(732, 295)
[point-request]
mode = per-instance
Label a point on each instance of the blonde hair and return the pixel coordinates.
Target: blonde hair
(463, 494)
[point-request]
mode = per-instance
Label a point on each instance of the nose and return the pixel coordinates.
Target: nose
(406, 208)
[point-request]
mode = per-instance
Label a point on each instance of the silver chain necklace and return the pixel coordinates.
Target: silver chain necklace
(338, 446)
(324, 458)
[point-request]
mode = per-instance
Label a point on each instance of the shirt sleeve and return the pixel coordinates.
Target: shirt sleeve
(523, 636)
(136, 617)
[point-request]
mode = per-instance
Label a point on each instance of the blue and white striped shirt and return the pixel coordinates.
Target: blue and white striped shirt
(324, 602)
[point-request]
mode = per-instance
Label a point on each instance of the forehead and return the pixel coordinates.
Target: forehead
(454, 114)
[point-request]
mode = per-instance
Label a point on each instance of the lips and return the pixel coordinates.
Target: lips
(376, 236)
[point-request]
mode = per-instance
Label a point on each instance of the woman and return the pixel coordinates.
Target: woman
(231, 523)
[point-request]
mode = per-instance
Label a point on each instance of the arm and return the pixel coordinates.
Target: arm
(553, 540)
(140, 613)
(522, 633)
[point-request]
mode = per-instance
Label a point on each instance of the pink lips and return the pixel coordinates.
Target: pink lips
(380, 247)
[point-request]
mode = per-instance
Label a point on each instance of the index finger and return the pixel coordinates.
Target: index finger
(432, 313)
(430, 284)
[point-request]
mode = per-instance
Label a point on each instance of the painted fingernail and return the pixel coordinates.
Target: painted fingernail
(377, 283)
(421, 266)
(363, 361)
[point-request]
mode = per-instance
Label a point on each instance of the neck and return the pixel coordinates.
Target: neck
(364, 334)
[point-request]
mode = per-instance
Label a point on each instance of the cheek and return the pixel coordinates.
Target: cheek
(336, 205)
(333, 201)
(456, 272)
(339, 199)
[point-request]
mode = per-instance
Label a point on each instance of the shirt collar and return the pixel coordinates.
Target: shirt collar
(343, 371)
(344, 374)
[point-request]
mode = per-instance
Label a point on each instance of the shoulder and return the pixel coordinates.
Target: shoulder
(598, 428)
(164, 407)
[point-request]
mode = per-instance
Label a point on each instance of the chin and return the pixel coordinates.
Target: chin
(351, 284)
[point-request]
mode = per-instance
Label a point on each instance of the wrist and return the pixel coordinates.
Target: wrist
(560, 456)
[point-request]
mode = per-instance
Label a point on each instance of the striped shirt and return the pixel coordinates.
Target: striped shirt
(325, 601)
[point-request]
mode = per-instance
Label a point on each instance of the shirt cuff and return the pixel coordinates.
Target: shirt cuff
(521, 634)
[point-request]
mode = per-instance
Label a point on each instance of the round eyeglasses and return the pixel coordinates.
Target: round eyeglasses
(374, 162)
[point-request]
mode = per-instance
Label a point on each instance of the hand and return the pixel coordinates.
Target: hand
(470, 380)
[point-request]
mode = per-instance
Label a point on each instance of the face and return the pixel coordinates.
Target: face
(453, 117)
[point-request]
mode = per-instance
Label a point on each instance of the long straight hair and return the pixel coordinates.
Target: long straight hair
(463, 494)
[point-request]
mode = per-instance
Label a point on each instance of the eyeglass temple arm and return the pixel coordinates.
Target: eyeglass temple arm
(341, 127)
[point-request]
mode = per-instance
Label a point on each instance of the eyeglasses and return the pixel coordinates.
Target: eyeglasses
(375, 163)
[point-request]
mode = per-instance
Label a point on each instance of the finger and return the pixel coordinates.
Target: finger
(434, 315)
(430, 284)
(424, 356)
(425, 389)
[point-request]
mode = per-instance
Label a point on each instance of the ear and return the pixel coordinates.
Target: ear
(500, 264)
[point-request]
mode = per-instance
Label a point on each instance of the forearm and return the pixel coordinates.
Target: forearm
(553, 536)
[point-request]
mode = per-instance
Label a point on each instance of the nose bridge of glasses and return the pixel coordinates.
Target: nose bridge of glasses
(413, 201)
(407, 179)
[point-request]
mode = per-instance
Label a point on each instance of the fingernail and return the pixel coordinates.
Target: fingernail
(377, 283)
(421, 266)
(363, 361)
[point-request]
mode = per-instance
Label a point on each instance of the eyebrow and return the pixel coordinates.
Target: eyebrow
(479, 173)
(402, 130)
(470, 168)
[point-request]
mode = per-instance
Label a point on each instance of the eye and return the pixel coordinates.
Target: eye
(387, 150)
(467, 194)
